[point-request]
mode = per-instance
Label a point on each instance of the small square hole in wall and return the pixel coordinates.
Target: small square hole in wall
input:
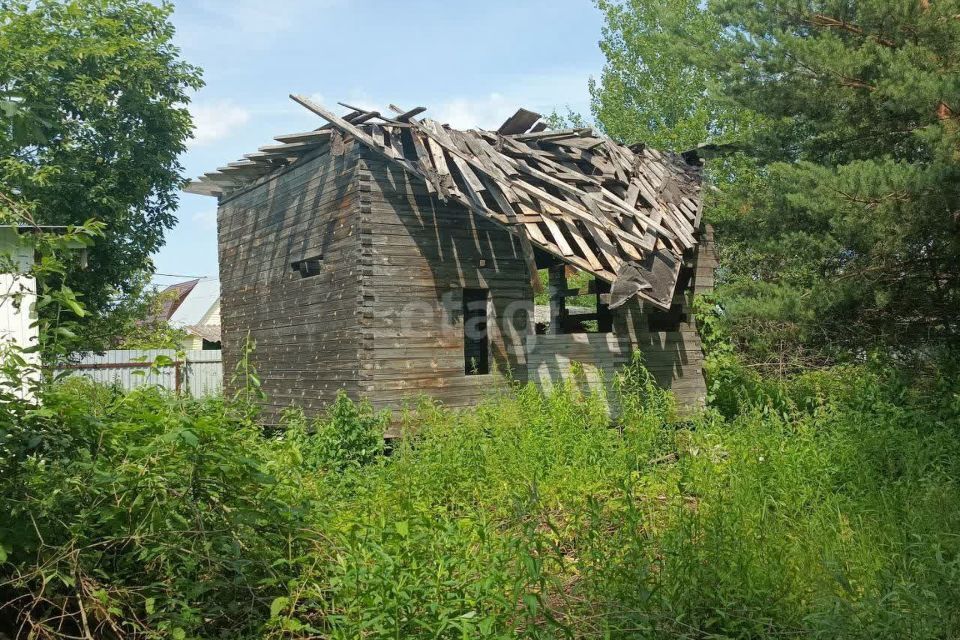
(308, 267)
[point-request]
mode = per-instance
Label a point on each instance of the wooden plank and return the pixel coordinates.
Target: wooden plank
(304, 136)
(469, 177)
(407, 115)
(426, 164)
(558, 283)
(203, 188)
(607, 249)
(354, 131)
(526, 168)
(273, 159)
(521, 231)
(557, 236)
(286, 150)
(585, 248)
(554, 133)
(518, 122)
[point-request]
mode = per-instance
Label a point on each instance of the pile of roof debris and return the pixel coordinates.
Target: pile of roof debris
(624, 214)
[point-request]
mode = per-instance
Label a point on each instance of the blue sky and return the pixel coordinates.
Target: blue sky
(471, 63)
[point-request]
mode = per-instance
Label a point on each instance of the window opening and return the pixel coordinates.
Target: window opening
(571, 302)
(476, 344)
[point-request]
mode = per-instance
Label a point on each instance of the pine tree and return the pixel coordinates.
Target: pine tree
(858, 222)
(840, 227)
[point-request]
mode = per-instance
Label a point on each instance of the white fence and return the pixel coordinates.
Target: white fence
(196, 372)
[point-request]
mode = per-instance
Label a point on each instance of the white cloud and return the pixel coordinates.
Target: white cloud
(543, 93)
(215, 120)
(205, 220)
(486, 112)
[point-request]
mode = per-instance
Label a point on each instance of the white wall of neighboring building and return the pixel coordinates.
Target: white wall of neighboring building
(213, 315)
(18, 295)
(198, 304)
(18, 292)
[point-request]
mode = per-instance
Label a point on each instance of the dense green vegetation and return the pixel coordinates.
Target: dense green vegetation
(837, 218)
(93, 117)
(826, 506)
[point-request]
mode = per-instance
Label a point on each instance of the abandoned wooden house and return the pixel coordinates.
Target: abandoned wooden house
(391, 256)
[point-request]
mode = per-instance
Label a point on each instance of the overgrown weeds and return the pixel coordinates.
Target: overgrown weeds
(823, 506)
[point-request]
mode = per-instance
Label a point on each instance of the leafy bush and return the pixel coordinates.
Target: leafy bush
(349, 435)
(823, 505)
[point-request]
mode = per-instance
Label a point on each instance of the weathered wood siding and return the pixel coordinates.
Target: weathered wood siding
(307, 330)
(674, 358)
(418, 255)
(589, 360)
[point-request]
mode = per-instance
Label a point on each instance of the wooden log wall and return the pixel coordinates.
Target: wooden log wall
(674, 357)
(418, 256)
(306, 329)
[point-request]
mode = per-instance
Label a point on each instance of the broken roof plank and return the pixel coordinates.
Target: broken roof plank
(204, 187)
(292, 148)
(353, 130)
(304, 136)
(557, 236)
(582, 243)
(518, 122)
(406, 115)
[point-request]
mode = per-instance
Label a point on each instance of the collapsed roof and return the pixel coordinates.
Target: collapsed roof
(624, 214)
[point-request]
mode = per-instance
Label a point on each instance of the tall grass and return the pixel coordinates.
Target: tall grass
(826, 506)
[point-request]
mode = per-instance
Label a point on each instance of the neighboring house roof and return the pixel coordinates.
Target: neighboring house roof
(624, 214)
(209, 332)
(173, 296)
(196, 304)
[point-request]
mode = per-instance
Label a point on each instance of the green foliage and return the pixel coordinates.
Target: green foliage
(92, 119)
(137, 322)
(836, 221)
(823, 505)
(651, 90)
(569, 120)
(350, 435)
(135, 509)
(856, 221)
